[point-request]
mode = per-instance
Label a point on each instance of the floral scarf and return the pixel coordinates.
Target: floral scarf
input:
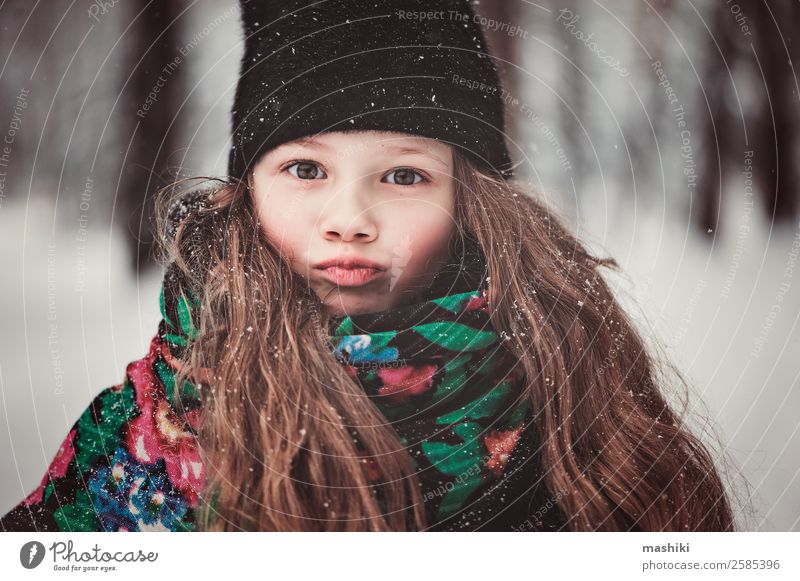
(438, 373)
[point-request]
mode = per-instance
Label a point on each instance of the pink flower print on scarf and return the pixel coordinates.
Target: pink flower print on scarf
(159, 433)
(478, 304)
(406, 381)
(500, 444)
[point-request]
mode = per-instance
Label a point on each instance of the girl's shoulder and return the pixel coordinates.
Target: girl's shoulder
(129, 462)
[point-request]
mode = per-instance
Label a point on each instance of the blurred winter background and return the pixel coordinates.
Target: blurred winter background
(664, 132)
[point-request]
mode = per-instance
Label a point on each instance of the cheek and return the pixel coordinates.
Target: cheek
(285, 224)
(422, 235)
(430, 236)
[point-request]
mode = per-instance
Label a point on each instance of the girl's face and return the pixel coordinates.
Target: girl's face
(379, 205)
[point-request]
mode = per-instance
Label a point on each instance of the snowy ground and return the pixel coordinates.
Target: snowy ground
(61, 345)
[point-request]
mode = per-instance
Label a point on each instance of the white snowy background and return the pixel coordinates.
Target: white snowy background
(707, 299)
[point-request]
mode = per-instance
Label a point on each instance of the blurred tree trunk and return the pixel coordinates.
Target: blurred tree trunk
(654, 36)
(775, 126)
(573, 92)
(722, 129)
(507, 50)
(759, 62)
(153, 96)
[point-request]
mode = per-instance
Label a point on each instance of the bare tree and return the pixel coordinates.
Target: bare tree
(760, 58)
(775, 125)
(153, 96)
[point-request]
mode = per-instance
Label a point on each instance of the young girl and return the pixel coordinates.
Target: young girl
(371, 326)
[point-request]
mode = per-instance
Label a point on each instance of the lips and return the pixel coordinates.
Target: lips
(350, 272)
(350, 276)
(349, 263)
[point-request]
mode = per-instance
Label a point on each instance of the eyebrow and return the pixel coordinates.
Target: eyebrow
(406, 149)
(307, 142)
(400, 149)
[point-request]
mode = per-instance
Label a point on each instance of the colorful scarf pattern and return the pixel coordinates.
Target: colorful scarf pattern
(435, 369)
(129, 463)
(437, 372)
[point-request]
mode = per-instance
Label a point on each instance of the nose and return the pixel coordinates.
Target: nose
(350, 217)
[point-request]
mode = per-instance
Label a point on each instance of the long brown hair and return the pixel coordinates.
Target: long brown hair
(281, 414)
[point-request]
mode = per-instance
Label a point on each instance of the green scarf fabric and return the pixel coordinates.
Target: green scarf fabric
(436, 369)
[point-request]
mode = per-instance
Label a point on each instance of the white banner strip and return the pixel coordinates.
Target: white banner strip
(401, 556)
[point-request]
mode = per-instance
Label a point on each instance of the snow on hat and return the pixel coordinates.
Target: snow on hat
(414, 66)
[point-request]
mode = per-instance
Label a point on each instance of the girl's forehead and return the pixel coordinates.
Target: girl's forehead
(372, 136)
(375, 141)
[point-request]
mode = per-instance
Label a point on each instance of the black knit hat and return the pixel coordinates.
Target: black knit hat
(413, 66)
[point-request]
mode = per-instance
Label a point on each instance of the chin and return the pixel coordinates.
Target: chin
(342, 305)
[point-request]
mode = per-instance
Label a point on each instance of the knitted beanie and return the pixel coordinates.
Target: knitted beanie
(414, 66)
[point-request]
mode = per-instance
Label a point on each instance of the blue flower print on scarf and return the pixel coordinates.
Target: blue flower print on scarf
(367, 348)
(127, 496)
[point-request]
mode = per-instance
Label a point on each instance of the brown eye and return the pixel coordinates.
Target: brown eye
(306, 170)
(405, 177)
